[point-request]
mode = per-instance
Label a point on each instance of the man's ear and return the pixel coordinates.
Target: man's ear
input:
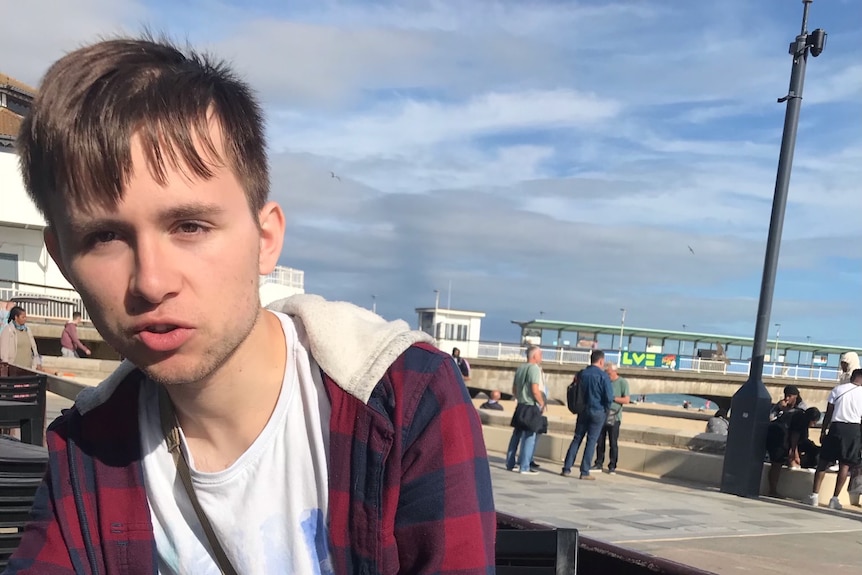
(53, 246)
(271, 236)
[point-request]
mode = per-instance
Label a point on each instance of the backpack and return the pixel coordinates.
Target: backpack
(575, 400)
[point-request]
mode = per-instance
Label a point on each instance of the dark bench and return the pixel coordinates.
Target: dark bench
(523, 548)
(22, 402)
(21, 469)
(527, 548)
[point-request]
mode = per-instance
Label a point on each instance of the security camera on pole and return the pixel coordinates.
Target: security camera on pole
(749, 415)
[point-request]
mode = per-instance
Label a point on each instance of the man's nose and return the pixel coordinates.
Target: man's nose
(155, 276)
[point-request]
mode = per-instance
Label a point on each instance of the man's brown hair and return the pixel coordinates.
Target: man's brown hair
(74, 145)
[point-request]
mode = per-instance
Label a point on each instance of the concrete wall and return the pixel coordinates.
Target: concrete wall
(666, 462)
(489, 374)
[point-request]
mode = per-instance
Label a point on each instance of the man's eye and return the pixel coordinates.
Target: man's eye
(191, 228)
(103, 237)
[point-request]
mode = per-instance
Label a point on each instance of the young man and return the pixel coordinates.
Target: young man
(787, 442)
(840, 436)
(70, 343)
(598, 397)
(311, 438)
(792, 401)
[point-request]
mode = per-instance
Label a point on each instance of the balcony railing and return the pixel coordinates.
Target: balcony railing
(515, 352)
(285, 276)
(45, 302)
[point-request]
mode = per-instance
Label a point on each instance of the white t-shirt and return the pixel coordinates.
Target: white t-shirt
(269, 508)
(847, 399)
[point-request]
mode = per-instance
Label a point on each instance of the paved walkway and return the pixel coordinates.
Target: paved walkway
(691, 524)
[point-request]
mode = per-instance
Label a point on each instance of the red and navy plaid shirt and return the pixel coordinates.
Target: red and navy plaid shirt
(409, 483)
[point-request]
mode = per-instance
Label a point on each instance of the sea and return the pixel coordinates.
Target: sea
(677, 399)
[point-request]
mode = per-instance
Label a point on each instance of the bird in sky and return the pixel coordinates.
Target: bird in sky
(334, 175)
(691, 250)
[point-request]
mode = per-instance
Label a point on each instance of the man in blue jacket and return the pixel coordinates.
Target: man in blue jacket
(598, 397)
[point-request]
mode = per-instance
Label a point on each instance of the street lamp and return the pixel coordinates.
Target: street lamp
(436, 307)
(373, 303)
(749, 416)
(622, 329)
(777, 335)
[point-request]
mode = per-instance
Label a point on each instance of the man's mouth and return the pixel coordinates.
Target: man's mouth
(161, 328)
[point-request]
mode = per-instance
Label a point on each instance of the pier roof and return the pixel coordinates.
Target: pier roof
(632, 331)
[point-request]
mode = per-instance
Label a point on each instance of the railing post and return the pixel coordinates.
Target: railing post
(499, 350)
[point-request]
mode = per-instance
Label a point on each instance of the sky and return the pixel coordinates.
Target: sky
(544, 158)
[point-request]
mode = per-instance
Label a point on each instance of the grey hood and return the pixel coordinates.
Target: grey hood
(351, 345)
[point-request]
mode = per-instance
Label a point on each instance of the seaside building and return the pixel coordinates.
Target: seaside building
(452, 328)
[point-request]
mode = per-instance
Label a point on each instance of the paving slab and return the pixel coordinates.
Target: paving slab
(689, 523)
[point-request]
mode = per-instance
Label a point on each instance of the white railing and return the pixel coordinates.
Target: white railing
(45, 302)
(515, 352)
(285, 276)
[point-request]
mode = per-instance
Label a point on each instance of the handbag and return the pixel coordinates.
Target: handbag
(529, 418)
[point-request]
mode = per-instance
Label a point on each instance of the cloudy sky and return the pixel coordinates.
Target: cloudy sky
(542, 156)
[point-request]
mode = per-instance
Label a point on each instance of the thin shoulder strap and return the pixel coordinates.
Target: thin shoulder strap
(171, 430)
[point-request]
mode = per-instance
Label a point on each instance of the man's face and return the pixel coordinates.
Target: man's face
(612, 373)
(155, 271)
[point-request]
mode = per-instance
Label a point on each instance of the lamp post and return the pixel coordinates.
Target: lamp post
(373, 303)
(622, 330)
(749, 417)
(777, 335)
(436, 307)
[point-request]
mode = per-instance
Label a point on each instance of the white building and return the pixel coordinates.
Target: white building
(452, 328)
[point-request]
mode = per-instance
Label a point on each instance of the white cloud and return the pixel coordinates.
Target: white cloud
(543, 155)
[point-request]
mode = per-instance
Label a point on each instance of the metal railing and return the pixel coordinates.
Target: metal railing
(45, 302)
(285, 276)
(515, 352)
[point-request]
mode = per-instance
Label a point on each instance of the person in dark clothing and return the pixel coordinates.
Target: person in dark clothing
(462, 363)
(598, 395)
(792, 401)
(787, 443)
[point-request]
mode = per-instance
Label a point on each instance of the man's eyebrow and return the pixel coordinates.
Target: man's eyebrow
(190, 211)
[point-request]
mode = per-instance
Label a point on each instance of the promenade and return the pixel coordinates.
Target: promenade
(687, 523)
(684, 522)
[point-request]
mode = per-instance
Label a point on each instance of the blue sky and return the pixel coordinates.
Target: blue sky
(541, 156)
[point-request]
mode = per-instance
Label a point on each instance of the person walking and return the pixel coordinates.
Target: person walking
(69, 341)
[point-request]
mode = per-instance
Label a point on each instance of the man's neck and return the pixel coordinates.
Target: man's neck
(223, 415)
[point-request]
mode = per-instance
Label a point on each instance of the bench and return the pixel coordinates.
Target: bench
(22, 402)
(22, 467)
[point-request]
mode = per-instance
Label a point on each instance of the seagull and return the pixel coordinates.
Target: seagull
(332, 174)
(691, 250)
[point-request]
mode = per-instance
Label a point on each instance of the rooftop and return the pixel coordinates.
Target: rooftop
(10, 82)
(9, 123)
(631, 331)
